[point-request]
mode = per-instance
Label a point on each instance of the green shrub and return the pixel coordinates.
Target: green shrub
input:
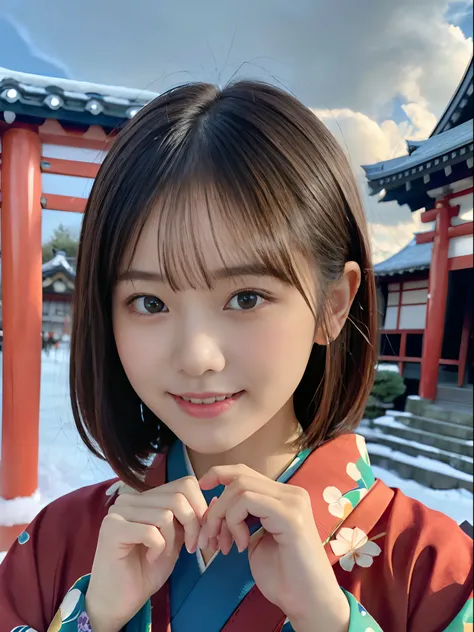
(388, 385)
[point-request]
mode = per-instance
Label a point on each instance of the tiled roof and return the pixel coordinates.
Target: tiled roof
(58, 263)
(410, 259)
(77, 102)
(426, 150)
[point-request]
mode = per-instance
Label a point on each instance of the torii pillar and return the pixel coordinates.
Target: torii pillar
(22, 315)
(437, 294)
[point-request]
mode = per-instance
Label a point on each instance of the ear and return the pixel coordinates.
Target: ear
(340, 299)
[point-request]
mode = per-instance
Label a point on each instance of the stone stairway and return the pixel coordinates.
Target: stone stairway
(431, 443)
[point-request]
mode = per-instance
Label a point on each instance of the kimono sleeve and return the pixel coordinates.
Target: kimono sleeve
(25, 574)
(433, 557)
(360, 619)
(46, 560)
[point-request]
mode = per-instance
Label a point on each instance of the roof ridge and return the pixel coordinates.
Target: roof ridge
(77, 86)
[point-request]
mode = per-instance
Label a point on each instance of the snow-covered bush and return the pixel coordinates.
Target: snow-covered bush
(388, 385)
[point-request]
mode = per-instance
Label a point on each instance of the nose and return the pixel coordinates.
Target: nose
(197, 352)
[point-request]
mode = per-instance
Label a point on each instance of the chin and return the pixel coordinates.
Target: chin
(208, 443)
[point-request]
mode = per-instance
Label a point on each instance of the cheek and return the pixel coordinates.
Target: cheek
(137, 351)
(278, 351)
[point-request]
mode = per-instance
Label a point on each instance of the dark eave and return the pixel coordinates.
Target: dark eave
(435, 162)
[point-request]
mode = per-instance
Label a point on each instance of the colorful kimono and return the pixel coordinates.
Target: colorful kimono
(401, 566)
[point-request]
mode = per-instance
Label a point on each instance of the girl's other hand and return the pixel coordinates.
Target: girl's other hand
(287, 558)
(139, 543)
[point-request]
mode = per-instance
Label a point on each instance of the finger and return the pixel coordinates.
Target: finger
(225, 474)
(162, 519)
(176, 502)
(225, 539)
(122, 535)
(273, 514)
(240, 484)
(189, 487)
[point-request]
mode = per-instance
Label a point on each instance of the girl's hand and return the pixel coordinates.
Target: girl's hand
(139, 543)
(287, 559)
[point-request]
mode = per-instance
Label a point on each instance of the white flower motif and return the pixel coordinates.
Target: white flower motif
(114, 488)
(119, 487)
(69, 603)
(338, 506)
(354, 547)
(363, 492)
(353, 471)
(360, 441)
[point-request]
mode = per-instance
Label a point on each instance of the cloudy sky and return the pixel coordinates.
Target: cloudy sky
(376, 71)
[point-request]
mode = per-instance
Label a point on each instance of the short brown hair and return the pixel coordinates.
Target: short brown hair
(262, 162)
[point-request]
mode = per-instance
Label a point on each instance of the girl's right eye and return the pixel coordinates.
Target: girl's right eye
(146, 305)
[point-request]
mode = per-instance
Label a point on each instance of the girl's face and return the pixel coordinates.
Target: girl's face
(249, 337)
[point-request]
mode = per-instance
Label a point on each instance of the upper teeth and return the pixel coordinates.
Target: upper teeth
(208, 400)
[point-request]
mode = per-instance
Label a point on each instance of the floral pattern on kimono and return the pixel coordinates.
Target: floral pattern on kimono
(407, 567)
(72, 616)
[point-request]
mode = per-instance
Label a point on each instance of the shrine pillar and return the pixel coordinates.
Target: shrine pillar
(436, 307)
(22, 314)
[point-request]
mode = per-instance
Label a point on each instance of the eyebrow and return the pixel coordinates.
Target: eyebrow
(255, 269)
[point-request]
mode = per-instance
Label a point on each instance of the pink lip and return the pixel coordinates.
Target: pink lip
(206, 411)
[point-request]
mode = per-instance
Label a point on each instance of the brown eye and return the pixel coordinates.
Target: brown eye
(245, 301)
(149, 305)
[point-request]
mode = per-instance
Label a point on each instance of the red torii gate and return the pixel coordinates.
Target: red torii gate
(22, 202)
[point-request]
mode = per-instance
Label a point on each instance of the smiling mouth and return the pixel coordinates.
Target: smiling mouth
(207, 400)
(208, 405)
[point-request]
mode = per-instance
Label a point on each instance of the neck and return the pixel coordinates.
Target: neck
(269, 451)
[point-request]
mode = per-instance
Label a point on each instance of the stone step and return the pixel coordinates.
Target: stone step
(435, 426)
(415, 448)
(390, 426)
(450, 412)
(425, 471)
(449, 393)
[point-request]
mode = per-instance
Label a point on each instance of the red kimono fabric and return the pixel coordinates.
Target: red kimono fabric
(419, 580)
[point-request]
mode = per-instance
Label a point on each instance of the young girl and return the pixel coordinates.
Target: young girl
(223, 346)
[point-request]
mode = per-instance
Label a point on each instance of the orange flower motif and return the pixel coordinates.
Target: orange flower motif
(338, 505)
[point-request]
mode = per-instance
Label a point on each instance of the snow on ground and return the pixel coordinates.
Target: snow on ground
(65, 464)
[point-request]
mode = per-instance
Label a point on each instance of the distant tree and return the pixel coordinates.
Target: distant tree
(62, 239)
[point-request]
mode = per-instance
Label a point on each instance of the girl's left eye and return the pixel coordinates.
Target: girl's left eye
(245, 301)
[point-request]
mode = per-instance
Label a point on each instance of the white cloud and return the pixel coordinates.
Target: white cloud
(365, 141)
(358, 64)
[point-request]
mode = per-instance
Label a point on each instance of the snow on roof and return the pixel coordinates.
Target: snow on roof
(58, 261)
(409, 259)
(40, 85)
(68, 101)
(426, 150)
